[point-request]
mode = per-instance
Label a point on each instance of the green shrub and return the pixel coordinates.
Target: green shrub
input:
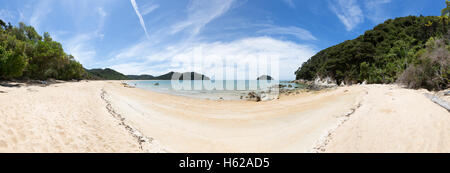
(26, 54)
(379, 55)
(432, 69)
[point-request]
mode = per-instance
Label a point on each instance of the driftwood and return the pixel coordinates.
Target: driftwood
(439, 101)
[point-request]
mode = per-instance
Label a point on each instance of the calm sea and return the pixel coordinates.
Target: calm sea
(213, 90)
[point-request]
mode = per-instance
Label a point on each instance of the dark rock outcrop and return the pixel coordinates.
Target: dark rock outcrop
(265, 77)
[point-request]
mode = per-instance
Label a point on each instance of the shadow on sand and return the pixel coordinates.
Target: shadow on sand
(20, 83)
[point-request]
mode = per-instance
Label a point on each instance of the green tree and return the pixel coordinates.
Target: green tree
(379, 55)
(24, 53)
(446, 11)
(364, 71)
(2, 25)
(12, 62)
(432, 69)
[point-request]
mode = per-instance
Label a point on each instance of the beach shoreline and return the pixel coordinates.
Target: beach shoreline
(84, 117)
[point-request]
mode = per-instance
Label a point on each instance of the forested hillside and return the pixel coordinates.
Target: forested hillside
(141, 77)
(110, 74)
(24, 54)
(382, 54)
(107, 74)
(182, 76)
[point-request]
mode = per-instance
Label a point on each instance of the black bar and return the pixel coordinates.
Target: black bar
(244, 162)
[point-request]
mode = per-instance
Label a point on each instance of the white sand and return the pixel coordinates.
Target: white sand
(73, 117)
(392, 119)
(69, 117)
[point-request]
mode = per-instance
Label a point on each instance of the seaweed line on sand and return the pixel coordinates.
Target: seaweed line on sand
(323, 141)
(146, 144)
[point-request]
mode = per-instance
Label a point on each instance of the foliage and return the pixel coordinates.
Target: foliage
(432, 69)
(446, 11)
(182, 76)
(141, 77)
(110, 74)
(26, 54)
(380, 55)
(107, 74)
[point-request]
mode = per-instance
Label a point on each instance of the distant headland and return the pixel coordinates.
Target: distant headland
(110, 74)
(265, 77)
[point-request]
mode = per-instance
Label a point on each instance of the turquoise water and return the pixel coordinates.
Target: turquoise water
(213, 90)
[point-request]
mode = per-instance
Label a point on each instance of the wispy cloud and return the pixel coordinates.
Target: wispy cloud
(290, 54)
(290, 3)
(79, 46)
(149, 8)
(40, 12)
(6, 15)
(101, 12)
(200, 13)
(245, 51)
(82, 44)
(155, 56)
(348, 12)
(300, 33)
(141, 19)
(375, 10)
(136, 51)
(102, 16)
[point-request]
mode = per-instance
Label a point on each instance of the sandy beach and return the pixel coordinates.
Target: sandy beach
(105, 116)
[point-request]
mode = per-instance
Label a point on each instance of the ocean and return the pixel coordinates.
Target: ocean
(212, 90)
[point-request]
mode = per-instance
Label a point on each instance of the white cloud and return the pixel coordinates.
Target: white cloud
(40, 12)
(149, 8)
(133, 68)
(290, 54)
(348, 12)
(375, 10)
(79, 47)
(101, 12)
(102, 17)
(290, 3)
(135, 51)
(6, 15)
(247, 50)
(200, 13)
(78, 41)
(300, 33)
(141, 19)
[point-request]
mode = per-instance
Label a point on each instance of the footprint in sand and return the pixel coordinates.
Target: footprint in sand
(387, 111)
(10, 132)
(3, 144)
(32, 90)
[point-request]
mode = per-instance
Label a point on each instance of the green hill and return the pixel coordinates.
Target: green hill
(24, 54)
(188, 75)
(141, 77)
(107, 74)
(110, 74)
(381, 55)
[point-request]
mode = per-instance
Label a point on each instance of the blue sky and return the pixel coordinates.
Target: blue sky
(145, 36)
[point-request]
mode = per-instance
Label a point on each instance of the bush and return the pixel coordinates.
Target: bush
(26, 54)
(380, 55)
(432, 70)
(12, 61)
